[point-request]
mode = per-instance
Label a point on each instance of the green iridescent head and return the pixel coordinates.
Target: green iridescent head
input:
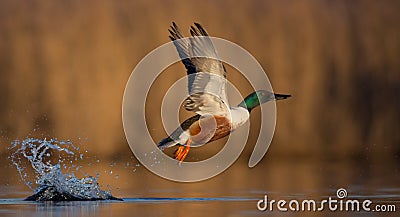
(259, 97)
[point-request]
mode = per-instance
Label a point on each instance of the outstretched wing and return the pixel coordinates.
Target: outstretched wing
(206, 73)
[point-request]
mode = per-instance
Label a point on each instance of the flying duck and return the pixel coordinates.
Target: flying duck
(214, 118)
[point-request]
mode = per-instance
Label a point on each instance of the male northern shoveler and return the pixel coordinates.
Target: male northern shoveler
(207, 95)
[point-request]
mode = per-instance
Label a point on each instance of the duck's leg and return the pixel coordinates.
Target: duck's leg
(182, 151)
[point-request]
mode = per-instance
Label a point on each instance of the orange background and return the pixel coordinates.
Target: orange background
(64, 66)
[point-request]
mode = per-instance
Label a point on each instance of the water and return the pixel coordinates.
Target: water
(233, 193)
(188, 207)
(129, 207)
(46, 158)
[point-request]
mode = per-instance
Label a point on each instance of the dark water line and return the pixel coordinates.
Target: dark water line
(189, 199)
(19, 201)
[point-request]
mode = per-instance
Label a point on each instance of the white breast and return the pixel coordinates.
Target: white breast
(239, 116)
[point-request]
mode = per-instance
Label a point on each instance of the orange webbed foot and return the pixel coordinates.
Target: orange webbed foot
(182, 151)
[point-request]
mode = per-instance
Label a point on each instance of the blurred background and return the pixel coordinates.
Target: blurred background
(64, 66)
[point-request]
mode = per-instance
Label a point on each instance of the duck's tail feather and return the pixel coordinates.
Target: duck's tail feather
(166, 143)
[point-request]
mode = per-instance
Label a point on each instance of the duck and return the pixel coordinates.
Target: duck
(214, 118)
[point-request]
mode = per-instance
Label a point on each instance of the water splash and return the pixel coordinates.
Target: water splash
(47, 158)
